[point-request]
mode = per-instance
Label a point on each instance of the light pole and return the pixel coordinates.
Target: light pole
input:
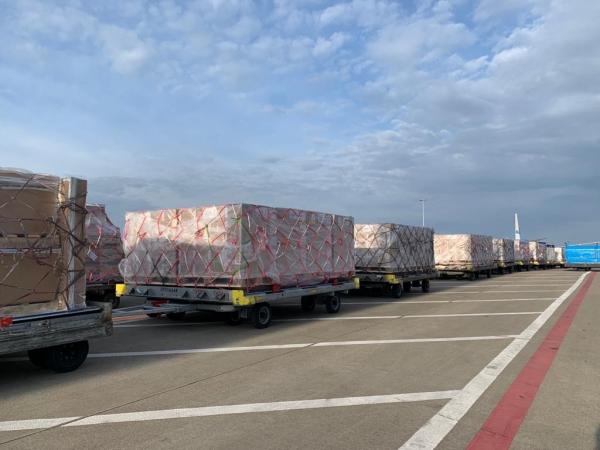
(423, 211)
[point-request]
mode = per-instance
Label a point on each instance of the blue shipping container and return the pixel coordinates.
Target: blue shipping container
(582, 255)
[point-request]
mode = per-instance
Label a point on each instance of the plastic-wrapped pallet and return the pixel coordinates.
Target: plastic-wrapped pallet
(42, 243)
(105, 250)
(560, 258)
(522, 251)
(550, 254)
(393, 248)
(538, 252)
(463, 251)
(236, 245)
(504, 250)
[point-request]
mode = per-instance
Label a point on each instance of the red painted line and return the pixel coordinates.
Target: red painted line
(505, 420)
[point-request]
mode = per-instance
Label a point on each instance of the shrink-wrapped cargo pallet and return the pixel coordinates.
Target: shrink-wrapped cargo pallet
(393, 248)
(105, 250)
(42, 243)
(538, 252)
(504, 250)
(237, 245)
(522, 252)
(463, 252)
(551, 254)
(560, 258)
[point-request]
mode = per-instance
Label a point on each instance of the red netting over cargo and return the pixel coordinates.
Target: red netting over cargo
(236, 245)
(463, 251)
(105, 250)
(42, 242)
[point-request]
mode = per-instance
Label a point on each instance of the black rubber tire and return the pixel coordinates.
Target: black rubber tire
(234, 318)
(406, 286)
(37, 357)
(395, 291)
(425, 285)
(472, 276)
(67, 357)
(333, 304)
(153, 315)
(261, 315)
(176, 316)
(488, 274)
(308, 303)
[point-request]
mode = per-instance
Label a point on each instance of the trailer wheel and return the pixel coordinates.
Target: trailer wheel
(234, 318)
(472, 276)
(153, 315)
(333, 304)
(425, 285)
(37, 357)
(488, 274)
(261, 315)
(66, 357)
(406, 286)
(396, 290)
(308, 303)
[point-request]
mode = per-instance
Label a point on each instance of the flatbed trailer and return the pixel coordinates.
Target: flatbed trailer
(239, 304)
(521, 266)
(472, 273)
(395, 283)
(55, 340)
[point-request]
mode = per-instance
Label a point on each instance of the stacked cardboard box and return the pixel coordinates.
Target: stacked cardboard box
(237, 245)
(42, 243)
(522, 251)
(538, 252)
(393, 248)
(105, 250)
(463, 252)
(504, 250)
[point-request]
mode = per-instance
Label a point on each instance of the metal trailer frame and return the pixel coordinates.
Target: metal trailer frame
(472, 273)
(239, 304)
(521, 265)
(505, 267)
(581, 266)
(55, 340)
(103, 292)
(395, 283)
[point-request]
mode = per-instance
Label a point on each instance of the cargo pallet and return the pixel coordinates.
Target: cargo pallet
(470, 273)
(239, 304)
(395, 284)
(55, 340)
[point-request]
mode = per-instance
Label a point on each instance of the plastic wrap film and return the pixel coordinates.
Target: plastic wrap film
(42, 243)
(237, 245)
(538, 252)
(105, 250)
(504, 250)
(393, 248)
(522, 251)
(463, 251)
(551, 254)
(560, 255)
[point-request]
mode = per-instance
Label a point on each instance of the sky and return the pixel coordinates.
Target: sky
(361, 107)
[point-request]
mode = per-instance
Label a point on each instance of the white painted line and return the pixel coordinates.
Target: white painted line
(310, 319)
(412, 302)
(169, 324)
(502, 285)
(287, 346)
(413, 341)
(207, 411)
(436, 429)
(491, 292)
(424, 316)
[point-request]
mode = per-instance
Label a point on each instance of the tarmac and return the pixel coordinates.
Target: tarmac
(427, 370)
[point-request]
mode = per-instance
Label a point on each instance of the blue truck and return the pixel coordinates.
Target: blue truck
(582, 256)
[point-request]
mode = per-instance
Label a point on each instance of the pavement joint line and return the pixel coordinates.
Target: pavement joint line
(437, 428)
(207, 411)
(412, 302)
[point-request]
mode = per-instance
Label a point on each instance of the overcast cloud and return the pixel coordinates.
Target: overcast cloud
(483, 108)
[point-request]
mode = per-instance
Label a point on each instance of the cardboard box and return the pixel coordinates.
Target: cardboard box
(236, 245)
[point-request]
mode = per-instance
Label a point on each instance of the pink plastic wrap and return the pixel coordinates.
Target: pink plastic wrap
(236, 245)
(105, 250)
(463, 251)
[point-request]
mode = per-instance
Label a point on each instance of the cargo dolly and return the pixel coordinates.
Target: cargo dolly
(471, 273)
(55, 340)
(395, 284)
(239, 305)
(505, 267)
(103, 292)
